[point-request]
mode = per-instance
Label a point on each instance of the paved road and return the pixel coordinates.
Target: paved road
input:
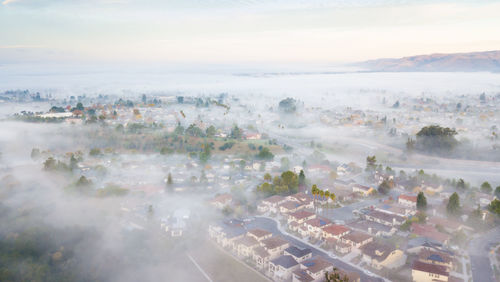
(271, 225)
(478, 252)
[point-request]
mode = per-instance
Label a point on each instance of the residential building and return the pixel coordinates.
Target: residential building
(426, 272)
(281, 268)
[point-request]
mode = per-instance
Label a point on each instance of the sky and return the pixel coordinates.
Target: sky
(241, 31)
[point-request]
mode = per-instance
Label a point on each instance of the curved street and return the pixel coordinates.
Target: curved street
(272, 226)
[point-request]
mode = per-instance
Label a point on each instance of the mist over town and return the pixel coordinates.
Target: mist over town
(268, 152)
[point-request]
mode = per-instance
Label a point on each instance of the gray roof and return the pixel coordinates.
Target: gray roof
(296, 252)
(285, 261)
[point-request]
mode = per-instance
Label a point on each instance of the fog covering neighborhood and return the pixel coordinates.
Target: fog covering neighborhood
(246, 175)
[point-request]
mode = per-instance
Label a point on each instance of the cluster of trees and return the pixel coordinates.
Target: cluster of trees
(285, 184)
(436, 139)
(264, 154)
(38, 254)
(288, 105)
(316, 192)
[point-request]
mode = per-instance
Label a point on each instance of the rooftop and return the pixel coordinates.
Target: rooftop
(285, 261)
(274, 242)
(259, 233)
(430, 268)
(296, 252)
(336, 229)
(316, 264)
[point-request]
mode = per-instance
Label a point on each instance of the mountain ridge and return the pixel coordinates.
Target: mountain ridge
(468, 62)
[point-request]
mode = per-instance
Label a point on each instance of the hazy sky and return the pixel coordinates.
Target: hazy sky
(241, 31)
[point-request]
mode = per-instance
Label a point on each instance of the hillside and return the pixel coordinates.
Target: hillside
(475, 61)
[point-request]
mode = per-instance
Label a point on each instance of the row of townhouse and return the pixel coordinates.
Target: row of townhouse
(273, 255)
(340, 237)
(284, 205)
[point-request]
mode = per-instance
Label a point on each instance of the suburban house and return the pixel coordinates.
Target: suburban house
(259, 234)
(335, 231)
(281, 268)
(373, 228)
(244, 246)
(448, 225)
(271, 204)
(426, 272)
(298, 254)
(289, 207)
(338, 245)
(222, 201)
(425, 230)
(225, 233)
(261, 257)
(408, 201)
(315, 226)
(357, 239)
(313, 269)
(383, 217)
(275, 246)
(381, 256)
(363, 190)
(436, 257)
(302, 198)
(300, 216)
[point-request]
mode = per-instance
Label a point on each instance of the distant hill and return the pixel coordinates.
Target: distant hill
(468, 62)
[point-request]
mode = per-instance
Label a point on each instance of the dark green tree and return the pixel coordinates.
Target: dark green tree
(302, 178)
(421, 202)
(486, 188)
(453, 206)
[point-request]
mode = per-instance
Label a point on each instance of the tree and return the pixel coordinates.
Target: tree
(453, 206)
(35, 153)
(265, 154)
(332, 196)
(288, 105)
(205, 154)
(494, 207)
(436, 139)
(497, 192)
(421, 201)
(291, 180)
(83, 181)
(79, 106)
(210, 131)
(236, 132)
(371, 163)
(170, 181)
(144, 98)
(49, 164)
(267, 177)
(314, 191)
(384, 187)
(335, 276)
(73, 162)
(461, 185)
(410, 145)
(486, 188)
(95, 152)
(302, 178)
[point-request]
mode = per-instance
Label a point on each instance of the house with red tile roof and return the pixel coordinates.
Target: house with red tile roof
(357, 239)
(301, 216)
(408, 200)
(335, 231)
